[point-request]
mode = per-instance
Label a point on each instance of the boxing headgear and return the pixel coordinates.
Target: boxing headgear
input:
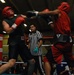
(64, 7)
(6, 12)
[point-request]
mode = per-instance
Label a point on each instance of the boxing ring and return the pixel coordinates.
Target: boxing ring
(1, 49)
(1, 53)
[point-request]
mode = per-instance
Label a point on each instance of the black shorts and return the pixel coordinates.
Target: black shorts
(19, 47)
(49, 56)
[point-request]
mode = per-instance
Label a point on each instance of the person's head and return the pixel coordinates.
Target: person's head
(32, 28)
(5, 58)
(64, 6)
(7, 12)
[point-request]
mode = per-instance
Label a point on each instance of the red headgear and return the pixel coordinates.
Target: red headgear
(64, 7)
(6, 12)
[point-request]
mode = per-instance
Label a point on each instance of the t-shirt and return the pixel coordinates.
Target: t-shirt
(62, 24)
(16, 34)
(33, 39)
(19, 30)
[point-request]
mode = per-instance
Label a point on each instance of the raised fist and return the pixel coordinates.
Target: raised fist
(19, 20)
(31, 13)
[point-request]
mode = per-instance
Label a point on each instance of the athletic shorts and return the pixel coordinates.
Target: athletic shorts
(49, 57)
(58, 51)
(19, 48)
(61, 50)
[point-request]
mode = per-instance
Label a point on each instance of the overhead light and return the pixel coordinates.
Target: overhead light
(29, 30)
(4, 32)
(15, 14)
(3, 1)
(25, 25)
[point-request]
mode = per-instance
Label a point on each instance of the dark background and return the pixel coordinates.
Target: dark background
(21, 6)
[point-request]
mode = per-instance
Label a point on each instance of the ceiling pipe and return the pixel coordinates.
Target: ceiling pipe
(14, 6)
(30, 5)
(46, 4)
(33, 9)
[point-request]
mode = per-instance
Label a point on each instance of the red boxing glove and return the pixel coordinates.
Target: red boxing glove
(19, 20)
